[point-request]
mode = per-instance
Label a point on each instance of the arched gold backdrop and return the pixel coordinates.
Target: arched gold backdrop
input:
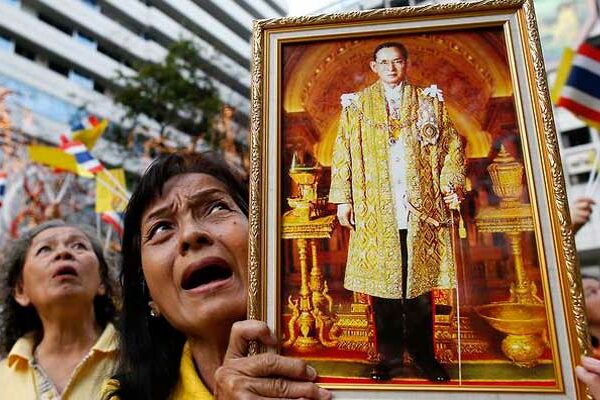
(470, 67)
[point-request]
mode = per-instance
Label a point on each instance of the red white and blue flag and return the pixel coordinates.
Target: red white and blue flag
(581, 92)
(82, 155)
(114, 219)
(2, 186)
(82, 120)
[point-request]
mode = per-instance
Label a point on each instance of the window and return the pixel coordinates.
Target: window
(52, 22)
(576, 137)
(81, 80)
(24, 52)
(59, 68)
(85, 40)
(91, 3)
(6, 44)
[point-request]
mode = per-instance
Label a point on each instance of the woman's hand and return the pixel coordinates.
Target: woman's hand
(589, 373)
(265, 375)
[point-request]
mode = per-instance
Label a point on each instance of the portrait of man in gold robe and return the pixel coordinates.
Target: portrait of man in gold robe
(397, 178)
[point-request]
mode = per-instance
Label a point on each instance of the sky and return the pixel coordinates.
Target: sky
(300, 7)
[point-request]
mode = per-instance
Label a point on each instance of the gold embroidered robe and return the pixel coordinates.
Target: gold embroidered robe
(360, 175)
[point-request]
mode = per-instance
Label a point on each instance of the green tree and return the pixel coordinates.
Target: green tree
(175, 93)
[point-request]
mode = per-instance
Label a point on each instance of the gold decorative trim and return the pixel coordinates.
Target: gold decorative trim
(573, 301)
(255, 292)
(379, 15)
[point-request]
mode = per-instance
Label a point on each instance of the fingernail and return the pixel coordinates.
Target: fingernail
(324, 394)
(311, 373)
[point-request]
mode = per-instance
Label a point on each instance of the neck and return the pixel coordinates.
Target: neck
(70, 332)
(208, 353)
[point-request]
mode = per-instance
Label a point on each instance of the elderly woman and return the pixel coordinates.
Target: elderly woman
(56, 315)
(184, 332)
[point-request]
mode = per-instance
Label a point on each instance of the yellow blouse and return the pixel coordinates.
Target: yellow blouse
(189, 386)
(19, 380)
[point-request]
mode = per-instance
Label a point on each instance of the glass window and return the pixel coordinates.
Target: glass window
(91, 3)
(81, 80)
(85, 40)
(6, 44)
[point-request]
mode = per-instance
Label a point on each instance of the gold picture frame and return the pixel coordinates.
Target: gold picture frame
(513, 256)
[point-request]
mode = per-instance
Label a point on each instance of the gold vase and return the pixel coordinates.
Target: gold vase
(507, 175)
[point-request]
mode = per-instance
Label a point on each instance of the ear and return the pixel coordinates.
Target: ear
(373, 66)
(20, 296)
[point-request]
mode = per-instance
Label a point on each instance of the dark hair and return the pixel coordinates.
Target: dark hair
(386, 45)
(16, 320)
(150, 347)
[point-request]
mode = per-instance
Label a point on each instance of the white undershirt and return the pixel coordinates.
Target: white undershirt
(397, 160)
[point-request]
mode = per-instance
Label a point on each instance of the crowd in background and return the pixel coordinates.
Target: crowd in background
(181, 331)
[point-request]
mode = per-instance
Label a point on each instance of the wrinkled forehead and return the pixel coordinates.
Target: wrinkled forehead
(181, 188)
(59, 233)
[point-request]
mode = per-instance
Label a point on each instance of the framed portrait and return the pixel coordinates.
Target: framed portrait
(409, 226)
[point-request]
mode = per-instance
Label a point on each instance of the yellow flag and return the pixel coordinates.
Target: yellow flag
(562, 73)
(107, 198)
(90, 136)
(56, 158)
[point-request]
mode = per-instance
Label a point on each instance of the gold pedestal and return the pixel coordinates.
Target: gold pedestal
(312, 308)
(522, 318)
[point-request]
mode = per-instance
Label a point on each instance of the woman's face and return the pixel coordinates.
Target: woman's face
(591, 292)
(60, 268)
(194, 249)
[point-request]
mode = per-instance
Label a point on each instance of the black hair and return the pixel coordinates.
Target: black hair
(386, 45)
(16, 320)
(151, 348)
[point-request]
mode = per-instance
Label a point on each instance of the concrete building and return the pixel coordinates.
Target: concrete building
(59, 55)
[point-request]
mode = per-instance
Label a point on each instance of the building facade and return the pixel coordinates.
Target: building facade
(58, 56)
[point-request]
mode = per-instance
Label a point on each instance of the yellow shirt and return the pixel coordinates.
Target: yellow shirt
(188, 387)
(18, 379)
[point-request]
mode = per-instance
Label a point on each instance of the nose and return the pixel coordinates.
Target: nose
(63, 253)
(193, 237)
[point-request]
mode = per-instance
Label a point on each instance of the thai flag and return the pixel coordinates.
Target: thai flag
(581, 93)
(2, 186)
(114, 219)
(82, 120)
(82, 155)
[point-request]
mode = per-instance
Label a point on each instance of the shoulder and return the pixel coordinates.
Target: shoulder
(356, 98)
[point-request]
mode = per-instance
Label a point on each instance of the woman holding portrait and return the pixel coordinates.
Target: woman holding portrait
(56, 321)
(184, 332)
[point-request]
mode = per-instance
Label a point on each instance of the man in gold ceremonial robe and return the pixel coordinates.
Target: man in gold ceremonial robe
(397, 175)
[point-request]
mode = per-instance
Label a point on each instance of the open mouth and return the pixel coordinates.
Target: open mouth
(65, 271)
(206, 273)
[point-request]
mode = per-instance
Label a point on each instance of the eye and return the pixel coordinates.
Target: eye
(79, 246)
(43, 249)
(158, 228)
(219, 206)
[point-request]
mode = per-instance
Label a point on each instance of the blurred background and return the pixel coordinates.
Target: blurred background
(124, 80)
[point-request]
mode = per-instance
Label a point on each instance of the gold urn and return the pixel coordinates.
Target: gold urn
(525, 327)
(507, 177)
(306, 204)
